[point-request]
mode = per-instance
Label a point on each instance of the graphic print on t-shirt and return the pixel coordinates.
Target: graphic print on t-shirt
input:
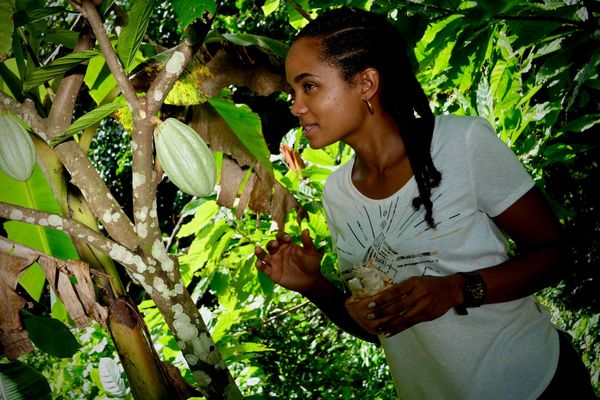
(383, 234)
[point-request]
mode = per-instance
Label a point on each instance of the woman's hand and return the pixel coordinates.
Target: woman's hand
(292, 266)
(400, 306)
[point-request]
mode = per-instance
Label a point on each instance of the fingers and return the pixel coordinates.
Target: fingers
(272, 247)
(426, 298)
(261, 262)
(280, 239)
(307, 241)
(388, 312)
(392, 301)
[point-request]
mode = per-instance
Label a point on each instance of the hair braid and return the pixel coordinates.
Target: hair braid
(354, 40)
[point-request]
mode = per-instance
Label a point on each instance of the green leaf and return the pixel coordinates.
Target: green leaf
(533, 32)
(561, 152)
(246, 125)
(61, 343)
(99, 79)
(132, 34)
(59, 311)
(87, 120)
(57, 68)
(19, 381)
(19, 54)
(267, 45)
(582, 124)
(35, 193)
(485, 101)
(266, 284)
(270, 6)
(204, 216)
(188, 11)
(192, 207)
(106, 4)
(585, 73)
(320, 156)
(296, 19)
(226, 319)
(243, 348)
(437, 43)
(248, 347)
(24, 17)
(61, 36)
(12, 82)
(201, 249)
(7, 9)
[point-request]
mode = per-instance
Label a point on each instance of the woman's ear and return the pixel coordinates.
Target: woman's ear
(369, 81)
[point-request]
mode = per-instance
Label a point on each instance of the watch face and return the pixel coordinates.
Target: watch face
(478, 291)
(475, 290)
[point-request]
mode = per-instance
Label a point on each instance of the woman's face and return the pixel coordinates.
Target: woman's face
(329, 108)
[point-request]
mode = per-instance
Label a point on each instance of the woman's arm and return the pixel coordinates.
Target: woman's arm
(541, 246)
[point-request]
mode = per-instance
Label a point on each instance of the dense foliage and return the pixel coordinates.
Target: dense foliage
(529, 67)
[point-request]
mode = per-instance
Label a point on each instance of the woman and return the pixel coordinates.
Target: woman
(425, 201)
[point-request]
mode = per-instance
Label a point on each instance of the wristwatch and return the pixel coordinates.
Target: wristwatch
(474, 291)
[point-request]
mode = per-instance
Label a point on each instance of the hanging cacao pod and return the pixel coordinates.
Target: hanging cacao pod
(17, 153)
(185, 158)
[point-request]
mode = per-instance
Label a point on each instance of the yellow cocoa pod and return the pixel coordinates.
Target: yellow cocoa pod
(185, 158)
(17, 153)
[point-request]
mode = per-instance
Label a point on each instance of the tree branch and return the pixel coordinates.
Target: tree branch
(69, 226)
(130, 260)
(26, 111)
(165, 80)
(299, 8)
(146, 175)
(104, 206)
(15, 249)
(63, 104)
(90, 12)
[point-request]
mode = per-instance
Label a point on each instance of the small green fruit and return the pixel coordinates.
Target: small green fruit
(185, 158)
(17, 153)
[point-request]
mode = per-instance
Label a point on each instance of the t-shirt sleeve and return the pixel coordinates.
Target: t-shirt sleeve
(498, 177)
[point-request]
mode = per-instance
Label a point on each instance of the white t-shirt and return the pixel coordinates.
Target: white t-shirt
(498, 351)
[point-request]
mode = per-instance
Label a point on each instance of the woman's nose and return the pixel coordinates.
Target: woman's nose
(298, 107)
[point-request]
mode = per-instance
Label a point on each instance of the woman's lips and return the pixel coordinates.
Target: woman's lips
(308, 129)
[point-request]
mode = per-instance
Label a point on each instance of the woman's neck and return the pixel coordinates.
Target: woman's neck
(379, 148)
(381, 166)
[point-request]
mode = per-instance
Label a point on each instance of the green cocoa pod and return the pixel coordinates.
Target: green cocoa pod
(17, 153)
(185, 158)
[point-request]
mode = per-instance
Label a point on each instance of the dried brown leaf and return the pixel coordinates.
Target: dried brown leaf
(13, 336)
(85, 291)
(231, 179)
(78, 297)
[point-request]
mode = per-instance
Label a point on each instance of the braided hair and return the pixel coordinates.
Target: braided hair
(353, 40)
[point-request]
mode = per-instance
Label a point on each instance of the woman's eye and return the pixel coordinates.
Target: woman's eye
(308, 86)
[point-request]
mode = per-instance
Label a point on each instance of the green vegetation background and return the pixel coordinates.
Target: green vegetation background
(529, 67)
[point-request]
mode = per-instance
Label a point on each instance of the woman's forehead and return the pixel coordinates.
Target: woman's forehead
(306, 47)
(305, 56)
